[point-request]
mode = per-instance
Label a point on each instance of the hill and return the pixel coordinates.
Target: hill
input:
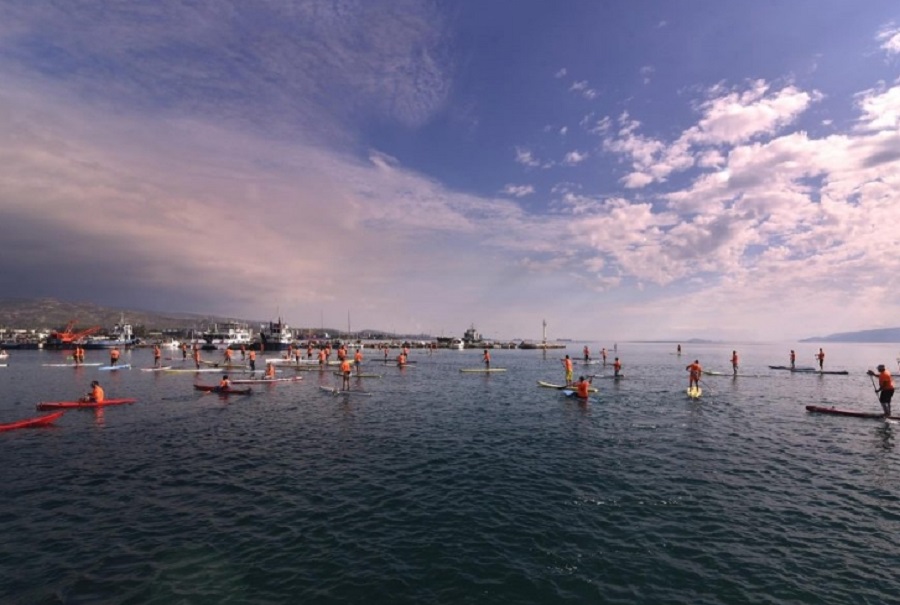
(880, 335)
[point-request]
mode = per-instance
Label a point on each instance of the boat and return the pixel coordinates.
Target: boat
(456, 344)
(210, 388)
(65, 405)
(276, 336)
(561, 387)
(122, 336)
(32, 422)
(817, 409)
(230, 335)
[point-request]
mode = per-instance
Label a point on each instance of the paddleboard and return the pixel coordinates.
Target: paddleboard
(816, 409)
(70, 365)
(31, 422)
(482, 370)
(550, 385)
(358, 375)
(336, 392)
(61, 405)
(191, 370)
(223, 365)
(124, 366)
(795, 369)
(713, 373)
(694, 392)
(209, 388)
(162, 369)
(265, 380)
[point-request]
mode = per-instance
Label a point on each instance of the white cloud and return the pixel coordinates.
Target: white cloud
(646, 72)
(561, 73)
(575, 157)
(889, 37)
(518, 190)
(880, 108)
(526, 158)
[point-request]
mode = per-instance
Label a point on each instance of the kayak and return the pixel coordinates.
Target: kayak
(550, 385)
(334, 391)
(65, 405)
(32, 422)
(209, 388)
(694, 392)
(124, 366)
(482, 370)
(816, 409)
(265, 380)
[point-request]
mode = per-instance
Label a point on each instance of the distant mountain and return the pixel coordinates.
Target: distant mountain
(49, 313)
(881, 335)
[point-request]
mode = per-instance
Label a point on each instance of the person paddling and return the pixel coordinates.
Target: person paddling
(357, 360)
(820, 356)
(486, 358)
(885, 388)
(114, 356)
(617, 367)
(734, 362)
(583, 387)
(224, 384)
(695, 372)
(567, 364)
(96, 395)
(345, 373)
(793, 359)
(157, 355)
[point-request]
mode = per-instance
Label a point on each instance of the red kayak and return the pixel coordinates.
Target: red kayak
(65, 405)
(30, 422)
(208, 388)
(836, 412)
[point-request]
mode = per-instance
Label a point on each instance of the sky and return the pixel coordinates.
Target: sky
(623, 170)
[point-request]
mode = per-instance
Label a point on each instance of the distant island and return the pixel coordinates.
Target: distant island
(880, 335)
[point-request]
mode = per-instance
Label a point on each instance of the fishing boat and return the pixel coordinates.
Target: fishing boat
(276, 336)
(229, 335)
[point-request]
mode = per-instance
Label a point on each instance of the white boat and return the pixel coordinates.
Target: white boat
(226, 336)
(4, 355)
(276, 336)
(456, 344)
(122, 336)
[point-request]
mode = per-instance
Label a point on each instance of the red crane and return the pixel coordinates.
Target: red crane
(67, 336)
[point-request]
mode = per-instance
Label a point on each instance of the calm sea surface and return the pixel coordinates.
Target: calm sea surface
(447, 487)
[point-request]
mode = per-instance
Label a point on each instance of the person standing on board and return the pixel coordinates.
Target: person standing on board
(252, 358)
(567, 364)
(270, 371)
(401, 359)
(96, 395)
(357, 360)
(695, 372)
(184, 351)
(821, 357)
(587, 354)
(617, 367)
(603, 355)
(678, 350)
(345, 373)
(243, 352)
(157, 354)
(486, 358)
(197, 356)
(114, 356)
(885, 388)
(227, 359)
(734, 362)
(323, 358)
(793, 359)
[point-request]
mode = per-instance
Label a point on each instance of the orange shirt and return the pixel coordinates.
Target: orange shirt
(568, 364)
(583, 389)
(617, 365)
(358, 357)
(97, 393)
(114, 354)
(885, 381)
(345, 366)
(695, 370)
(270, 371)
(252, 355)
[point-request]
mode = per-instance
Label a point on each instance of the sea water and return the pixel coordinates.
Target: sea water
(447, 487)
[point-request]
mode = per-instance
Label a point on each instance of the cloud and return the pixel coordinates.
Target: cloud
(889, 37)
(518, 190)
(526, 158)
(574, 158)
(582, 88)
(561, 73)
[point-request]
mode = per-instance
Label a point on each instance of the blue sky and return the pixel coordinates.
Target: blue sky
(625, 171)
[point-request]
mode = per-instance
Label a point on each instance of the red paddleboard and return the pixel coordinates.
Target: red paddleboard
(836, 412)
(64, 405)
(31, 422)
